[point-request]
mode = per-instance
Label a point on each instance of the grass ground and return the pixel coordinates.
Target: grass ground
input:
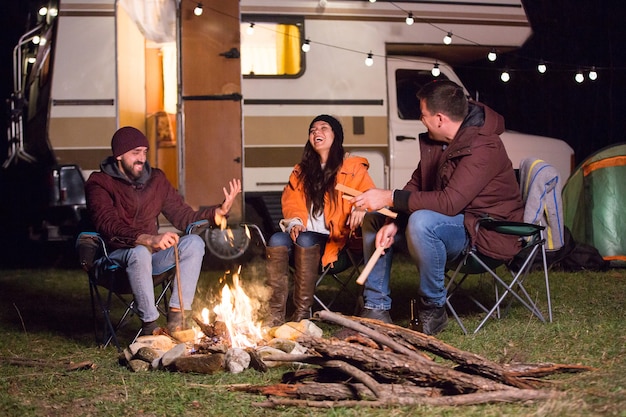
(45, 322)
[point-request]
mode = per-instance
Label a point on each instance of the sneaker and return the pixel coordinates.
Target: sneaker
(148, 328)
(376, 314)
(432, 319)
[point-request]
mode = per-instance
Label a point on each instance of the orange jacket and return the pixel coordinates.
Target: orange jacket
(353, 173)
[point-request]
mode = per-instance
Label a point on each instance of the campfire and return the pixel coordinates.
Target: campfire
(375, 364)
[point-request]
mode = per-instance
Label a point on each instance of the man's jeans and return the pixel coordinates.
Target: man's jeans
(141, 264)
(432, 239)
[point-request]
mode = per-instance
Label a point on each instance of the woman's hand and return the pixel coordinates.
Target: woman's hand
(295, 231)
(356, 219)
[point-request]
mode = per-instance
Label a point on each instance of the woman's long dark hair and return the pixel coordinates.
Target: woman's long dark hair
(317, 180)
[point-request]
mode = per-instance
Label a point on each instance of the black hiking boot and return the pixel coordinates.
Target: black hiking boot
(431, 319)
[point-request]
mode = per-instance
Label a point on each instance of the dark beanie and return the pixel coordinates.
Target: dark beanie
(334, 124)
(127, 138)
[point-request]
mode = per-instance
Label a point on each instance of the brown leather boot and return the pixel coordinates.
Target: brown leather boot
(307, 263)
(277, 279)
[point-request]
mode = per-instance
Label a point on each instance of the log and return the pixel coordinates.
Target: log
(510, 395)
(394, 367)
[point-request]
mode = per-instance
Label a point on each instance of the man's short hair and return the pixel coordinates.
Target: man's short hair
(445, 97)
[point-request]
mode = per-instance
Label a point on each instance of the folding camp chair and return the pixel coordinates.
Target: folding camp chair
(108, 282)
(342, 272)
(506, 288)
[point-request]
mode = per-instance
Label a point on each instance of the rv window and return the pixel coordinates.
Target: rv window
(271, 48)
(408, 83)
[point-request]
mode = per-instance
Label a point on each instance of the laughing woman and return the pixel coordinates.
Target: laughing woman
(317, 220)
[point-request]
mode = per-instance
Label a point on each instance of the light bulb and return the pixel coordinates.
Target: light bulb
(409, 19)
(579, 77)
(542, 67)
(198, 10)
(491, 56)
(593, 75)
(435, 71)
(369, 61)
(448, 38)
(505, 77)
(43, 11)
(36, 39)
(372, 1)
(31, 59)
(53, 12)
(43, 41)
(306, 46)
(250, 29)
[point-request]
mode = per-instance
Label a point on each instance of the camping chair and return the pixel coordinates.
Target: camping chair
(108, 282)
(341, 273)
(511, 288)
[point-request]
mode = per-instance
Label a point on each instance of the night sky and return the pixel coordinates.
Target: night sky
(567, 34)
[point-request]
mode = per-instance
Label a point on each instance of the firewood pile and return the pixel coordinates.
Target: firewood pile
(383, 364)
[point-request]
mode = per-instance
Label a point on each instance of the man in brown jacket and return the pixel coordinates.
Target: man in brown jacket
(464, 174)
(124, 200)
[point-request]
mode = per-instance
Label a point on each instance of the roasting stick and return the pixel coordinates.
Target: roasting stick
(370, 265)
(348, 193)
(180, 290)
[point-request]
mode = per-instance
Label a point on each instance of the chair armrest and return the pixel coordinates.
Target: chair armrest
(197, 227)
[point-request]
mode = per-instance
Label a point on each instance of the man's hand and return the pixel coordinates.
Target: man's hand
(373, 199)
(385, 235)
(229, 198)
(158, 242)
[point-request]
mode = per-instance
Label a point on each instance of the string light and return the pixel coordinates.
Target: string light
(306, 46)
(250, 29)
(372, 1)
(409, 19)
(198, 10)
(53, 12)
(36, 39)
(448, 38)
(43, 11)
(369, 61)
(542, 67)
(579, 77)
(435, 71)
(593, 75)
(491, 56)
(505, 77)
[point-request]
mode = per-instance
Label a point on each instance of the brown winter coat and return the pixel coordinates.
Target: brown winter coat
(121, 210)
(472, 175)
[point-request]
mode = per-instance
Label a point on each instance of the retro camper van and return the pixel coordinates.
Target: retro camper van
(227, 89)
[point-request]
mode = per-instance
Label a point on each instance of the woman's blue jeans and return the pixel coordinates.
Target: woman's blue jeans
(432, 239)
(140, 265)
(304, 239)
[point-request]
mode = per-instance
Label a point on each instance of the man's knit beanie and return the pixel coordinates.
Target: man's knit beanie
(127, 138)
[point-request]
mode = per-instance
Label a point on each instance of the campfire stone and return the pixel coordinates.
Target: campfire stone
(286, 345)
(147, 354)
(159, 342)
(202, 364)
(169, 357)
(293, 330)
(237, 360)
(265, 351)
(137, 365)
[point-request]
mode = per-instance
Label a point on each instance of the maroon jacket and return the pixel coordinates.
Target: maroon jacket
(472, 175)
(122, 210)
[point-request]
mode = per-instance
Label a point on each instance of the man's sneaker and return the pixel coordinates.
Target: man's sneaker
(432, 319)
(148, 328)
(376, 314)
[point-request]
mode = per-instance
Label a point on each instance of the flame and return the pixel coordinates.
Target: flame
(235, 310)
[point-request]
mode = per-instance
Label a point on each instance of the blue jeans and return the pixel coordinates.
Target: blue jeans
(304, 239)
(432, 239)
(141, 265)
